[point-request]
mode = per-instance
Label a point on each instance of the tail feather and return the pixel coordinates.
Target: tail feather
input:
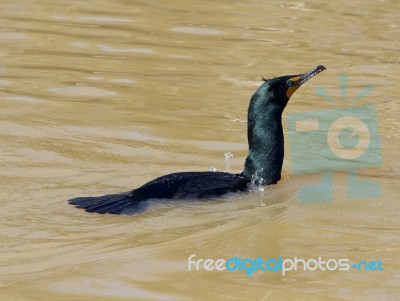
(113, 207)
(112, 203)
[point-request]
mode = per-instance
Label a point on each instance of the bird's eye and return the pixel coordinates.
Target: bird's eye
(290, 83)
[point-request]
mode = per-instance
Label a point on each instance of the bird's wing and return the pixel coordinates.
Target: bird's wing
(186, 185)
(211, 185)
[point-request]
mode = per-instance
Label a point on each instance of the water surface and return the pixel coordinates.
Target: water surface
(102, 96)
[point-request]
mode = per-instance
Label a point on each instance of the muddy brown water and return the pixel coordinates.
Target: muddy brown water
(102, 96)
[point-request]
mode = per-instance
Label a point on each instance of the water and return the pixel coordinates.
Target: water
(101, 96)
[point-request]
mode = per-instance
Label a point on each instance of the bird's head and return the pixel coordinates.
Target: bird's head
(277, 91)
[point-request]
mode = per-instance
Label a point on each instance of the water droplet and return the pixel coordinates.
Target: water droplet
(228, 157)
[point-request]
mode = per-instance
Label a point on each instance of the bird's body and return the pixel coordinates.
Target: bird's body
(265, 158)
(182, 185)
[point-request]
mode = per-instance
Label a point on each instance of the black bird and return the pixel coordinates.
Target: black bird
(265, 158)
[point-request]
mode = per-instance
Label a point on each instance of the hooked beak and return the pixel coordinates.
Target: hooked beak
(306, 76)
(300, 79)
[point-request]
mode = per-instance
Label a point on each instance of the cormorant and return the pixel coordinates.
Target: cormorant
(265, 158)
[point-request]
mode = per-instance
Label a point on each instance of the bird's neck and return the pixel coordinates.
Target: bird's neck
(266, 144)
